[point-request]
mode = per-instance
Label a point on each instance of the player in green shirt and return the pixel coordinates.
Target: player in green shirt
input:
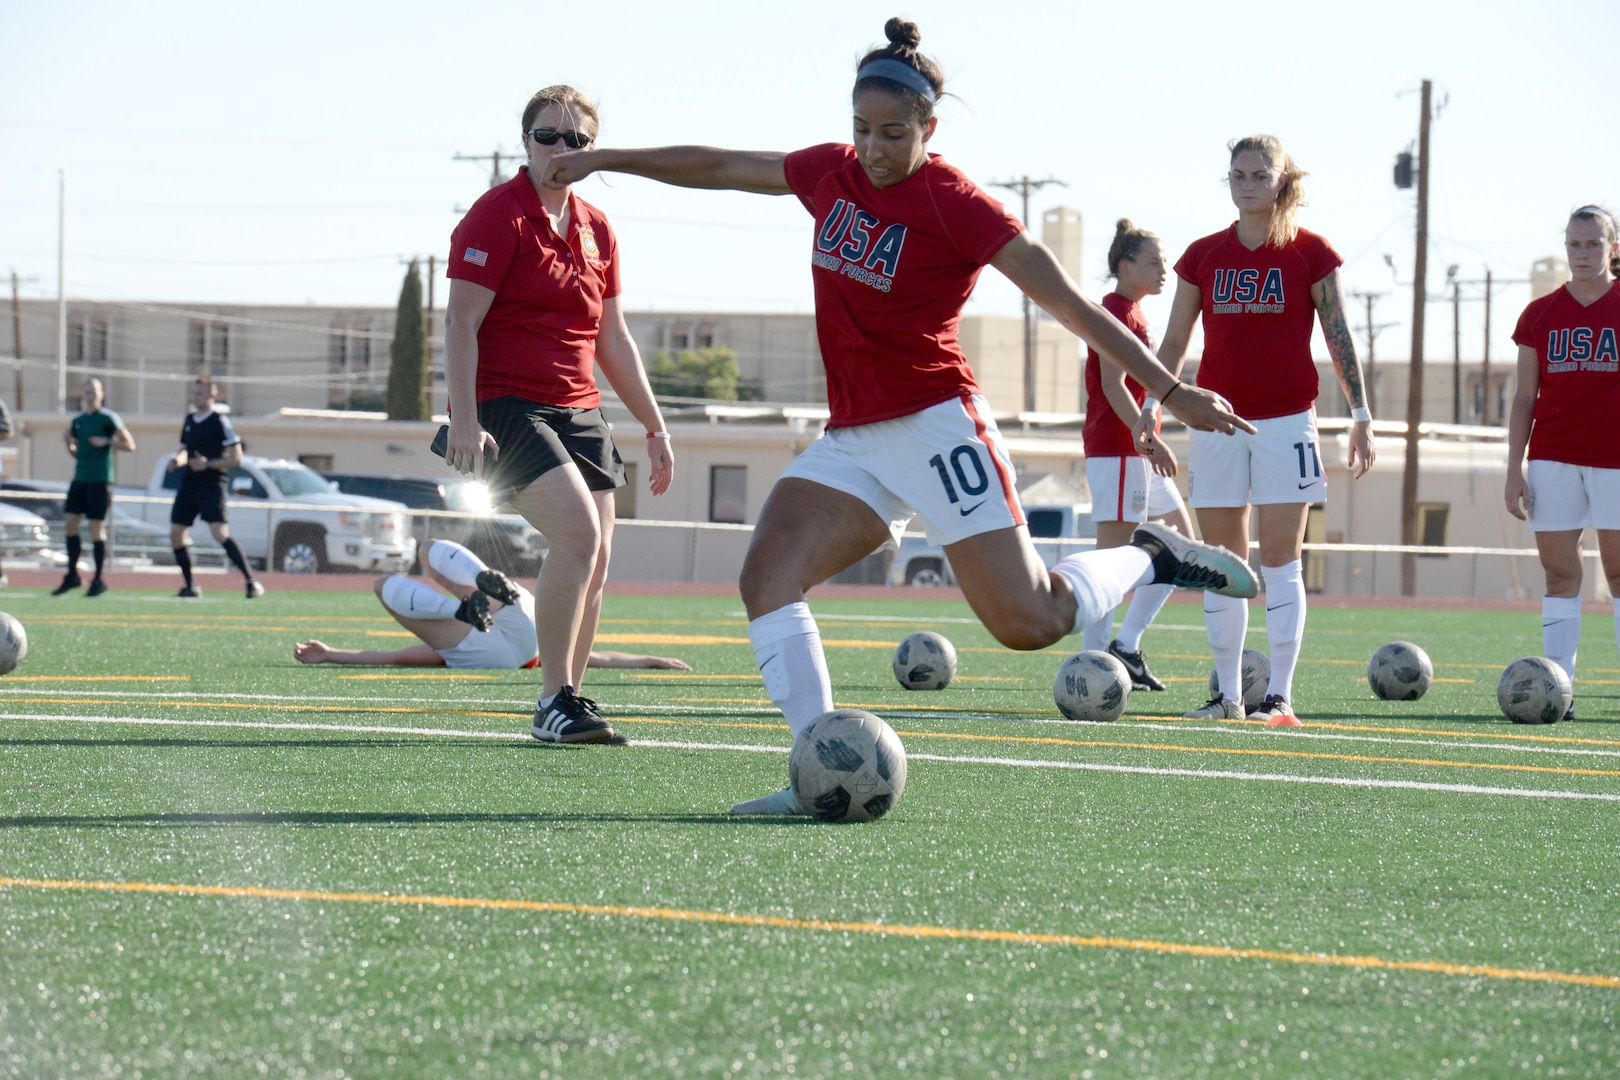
(91, 438)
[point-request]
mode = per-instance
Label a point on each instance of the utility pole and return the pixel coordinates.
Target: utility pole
(1372, 330)
(495, 176)
(1456, 351)
(427, 376)
(1414, 387)
(1024, 185)
(1485, 359)
(61, 290)
(16, 333)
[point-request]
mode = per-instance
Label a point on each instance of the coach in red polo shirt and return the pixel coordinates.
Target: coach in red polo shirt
(534, 310)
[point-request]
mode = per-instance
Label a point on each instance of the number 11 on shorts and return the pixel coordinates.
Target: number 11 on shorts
(1310, 466)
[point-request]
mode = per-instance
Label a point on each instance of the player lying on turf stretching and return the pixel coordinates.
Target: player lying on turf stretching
(487, 622)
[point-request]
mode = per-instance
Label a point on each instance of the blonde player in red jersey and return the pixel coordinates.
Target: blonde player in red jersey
(1128, 487)
(1259, 286)
(900, 239)
(1563, 411)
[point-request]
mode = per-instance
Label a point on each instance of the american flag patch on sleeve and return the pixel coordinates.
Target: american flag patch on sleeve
(476, 257)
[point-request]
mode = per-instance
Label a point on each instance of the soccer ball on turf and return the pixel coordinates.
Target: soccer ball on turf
(1092, 686)
(1399, 671)
(1534, 690)
(13, 643)
(847, 765)
(1256, 677)
(925, 661)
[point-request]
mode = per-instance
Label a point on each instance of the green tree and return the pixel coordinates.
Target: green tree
(698, 373)
(407, 364)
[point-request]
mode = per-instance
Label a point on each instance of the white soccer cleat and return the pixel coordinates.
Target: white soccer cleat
(1192, 564)
(780, 803)
(1216, 708)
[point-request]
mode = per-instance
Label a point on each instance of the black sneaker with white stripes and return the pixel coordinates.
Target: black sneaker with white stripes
(474, 611)
(570, 719)
(1136, 664)
(497, 585)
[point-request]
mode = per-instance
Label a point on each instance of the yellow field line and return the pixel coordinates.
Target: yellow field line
(834, 926)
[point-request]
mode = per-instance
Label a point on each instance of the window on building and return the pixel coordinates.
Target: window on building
(321, 463)
(197, 344)
(624, 498)
(1434, 526)
(97, 350)
(75, 342)
(219, 347)
(680, 341)
(728, 493)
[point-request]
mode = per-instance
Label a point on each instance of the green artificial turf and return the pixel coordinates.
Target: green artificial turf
(366, 887)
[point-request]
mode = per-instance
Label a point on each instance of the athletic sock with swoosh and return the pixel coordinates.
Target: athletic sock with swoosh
(1285, 623)
(1561, 631)
(787, 647)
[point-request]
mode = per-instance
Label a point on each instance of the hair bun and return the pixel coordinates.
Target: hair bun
(1123, 226)
(903, 33)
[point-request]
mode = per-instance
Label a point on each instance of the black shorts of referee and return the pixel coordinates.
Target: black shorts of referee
(536, 438)
(200, 495)
(91, 501)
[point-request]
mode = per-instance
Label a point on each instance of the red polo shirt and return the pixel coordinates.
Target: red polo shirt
(539, 339)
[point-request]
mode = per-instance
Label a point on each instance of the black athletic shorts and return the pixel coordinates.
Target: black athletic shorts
(88, 500)
(535, 438)
(199, 498)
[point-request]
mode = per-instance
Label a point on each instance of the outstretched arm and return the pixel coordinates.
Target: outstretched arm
(635, 660)
(762, 172)
(318, 652)
(1036, 271)
(1329, 303)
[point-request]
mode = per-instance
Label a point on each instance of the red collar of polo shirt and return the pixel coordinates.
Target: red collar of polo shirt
(529, 199)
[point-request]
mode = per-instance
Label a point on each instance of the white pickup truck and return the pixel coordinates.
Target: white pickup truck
(287, 517)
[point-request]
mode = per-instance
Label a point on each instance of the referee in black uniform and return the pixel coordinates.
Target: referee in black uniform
(209, 449)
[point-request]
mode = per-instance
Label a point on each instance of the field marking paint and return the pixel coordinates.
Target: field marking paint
(519, 736)
(99, 678)
(447, 674)
(831, 926)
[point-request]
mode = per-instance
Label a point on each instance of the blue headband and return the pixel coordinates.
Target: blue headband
(902, 73)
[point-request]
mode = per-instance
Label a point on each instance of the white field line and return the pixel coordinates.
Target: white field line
(159, 697)
(1017, 763)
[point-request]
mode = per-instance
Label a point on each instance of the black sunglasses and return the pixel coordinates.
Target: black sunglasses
(549, 136)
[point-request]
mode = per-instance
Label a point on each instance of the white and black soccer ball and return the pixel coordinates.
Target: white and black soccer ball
(13, 643)
(1534, 690)
(1256, 677)
(1092, 686)
(847, 765)
(1400, 671)
(925, 661)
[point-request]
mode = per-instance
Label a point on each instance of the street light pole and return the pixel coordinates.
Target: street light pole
(1024, 185)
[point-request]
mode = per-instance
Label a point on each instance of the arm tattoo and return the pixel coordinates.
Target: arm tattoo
(1341, 346)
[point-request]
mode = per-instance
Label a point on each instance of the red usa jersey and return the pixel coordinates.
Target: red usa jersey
(1579, 393)
(1258, 318)
(1105, 434)
(892, 268)
(538, 340)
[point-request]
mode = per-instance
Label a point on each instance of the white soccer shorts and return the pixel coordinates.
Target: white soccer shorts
(507, 645)
(1280, 463)
(947, 465)
(1127, 489)
(1564, 496)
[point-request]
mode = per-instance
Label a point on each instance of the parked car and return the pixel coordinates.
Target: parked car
(22, 532)
(504, 541)
(129, 534)
(286, 517)
(920, 563)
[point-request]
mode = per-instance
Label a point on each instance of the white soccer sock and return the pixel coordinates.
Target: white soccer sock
(1226, 619)
(1139, 616)
(414, 600)
(455, 564)
(1095, 637)
(1285, 623)
(1100, 580)
(1561, 631)
(787, 647)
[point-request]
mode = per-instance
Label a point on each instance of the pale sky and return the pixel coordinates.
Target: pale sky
(297, 152)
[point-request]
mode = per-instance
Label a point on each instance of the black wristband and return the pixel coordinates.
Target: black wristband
(1166, 396)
